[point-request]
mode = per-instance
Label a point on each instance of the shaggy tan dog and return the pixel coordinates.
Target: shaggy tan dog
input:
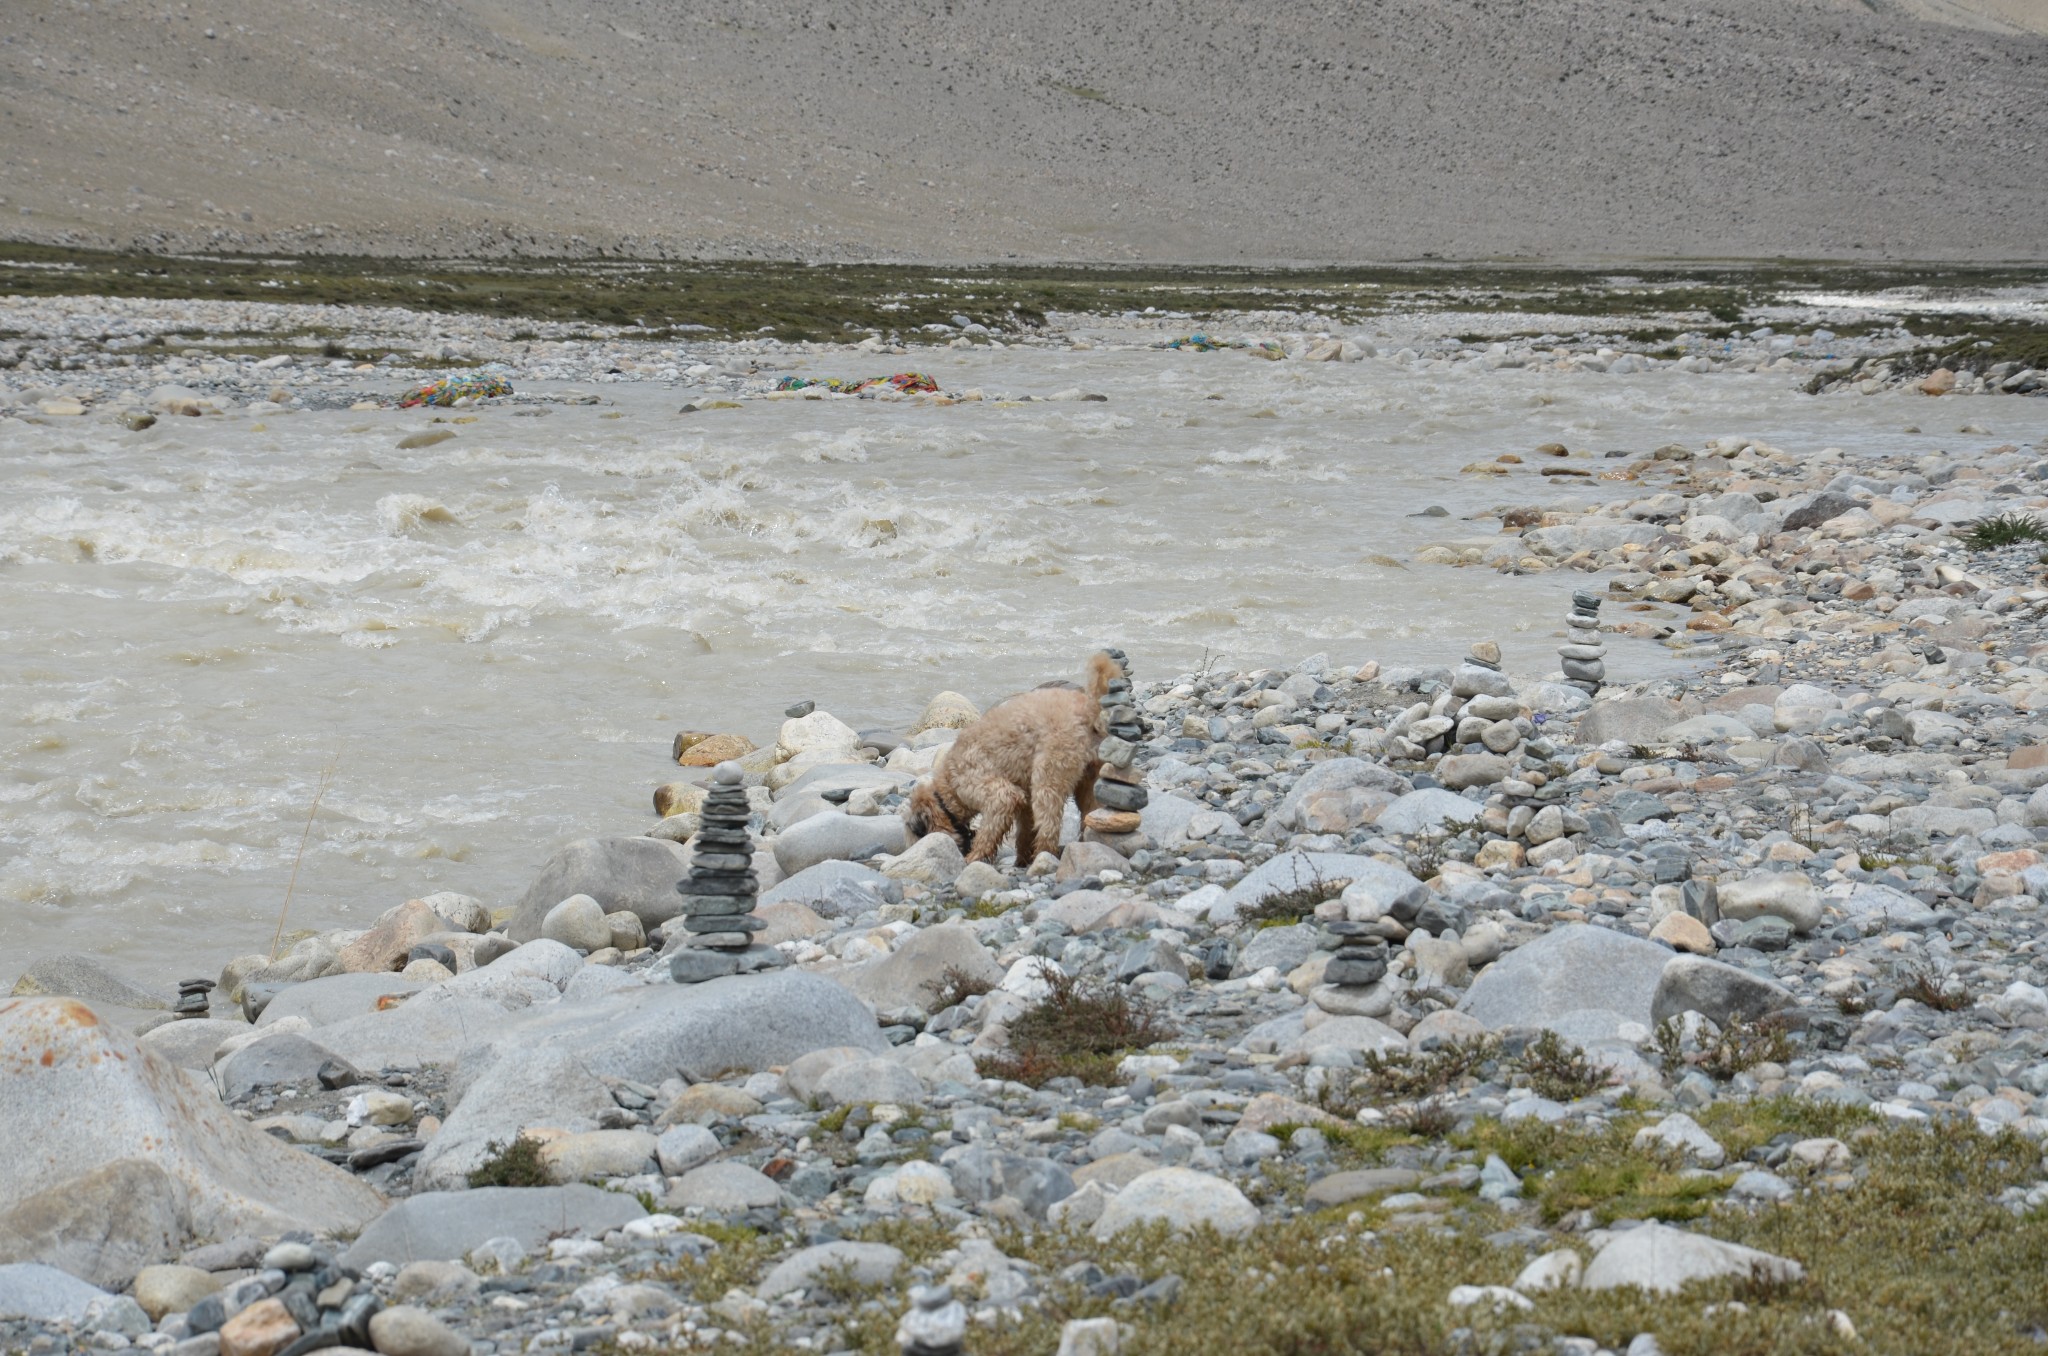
(1016, 766)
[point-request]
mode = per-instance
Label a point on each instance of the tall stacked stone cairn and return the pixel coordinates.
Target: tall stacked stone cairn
(1351, 984)
(1582, 653)
(936, 1324)
(718, 897)
(1119, 791)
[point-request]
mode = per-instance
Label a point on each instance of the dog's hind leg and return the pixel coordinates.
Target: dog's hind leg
(1052, 780)
(1084, 788)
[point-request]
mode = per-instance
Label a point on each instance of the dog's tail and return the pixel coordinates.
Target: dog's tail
(1103, 669)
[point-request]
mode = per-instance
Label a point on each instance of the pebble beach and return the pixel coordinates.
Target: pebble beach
(1592, 853)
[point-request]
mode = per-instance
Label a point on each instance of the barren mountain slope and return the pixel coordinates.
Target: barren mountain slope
(1186, 130)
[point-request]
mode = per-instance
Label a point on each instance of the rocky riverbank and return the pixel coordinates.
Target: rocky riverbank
(1441, 1006)
(112, 357)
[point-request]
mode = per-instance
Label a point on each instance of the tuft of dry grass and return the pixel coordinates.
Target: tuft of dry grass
(1076, 1031)
(957, 986)
(1402, 1076)
(1559, 1070)
(1740, 1045)
(1925, 987)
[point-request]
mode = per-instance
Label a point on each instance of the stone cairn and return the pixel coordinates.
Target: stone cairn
(1583, 653)
(192, 998)
(718, 897)
(936, 1324)
(1351, 979)
(1119, 792)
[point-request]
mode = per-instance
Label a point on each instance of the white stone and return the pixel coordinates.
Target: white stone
(1181, 1197)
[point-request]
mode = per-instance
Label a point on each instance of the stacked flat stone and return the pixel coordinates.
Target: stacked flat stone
(1480, 675)
(1361, 957)
(1351, 984)
(192, 998)
(1582, 653)
(718, 897)
(936, 1324)
(1119, 793)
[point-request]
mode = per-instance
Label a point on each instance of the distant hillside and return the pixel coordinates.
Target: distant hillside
(1156, 130)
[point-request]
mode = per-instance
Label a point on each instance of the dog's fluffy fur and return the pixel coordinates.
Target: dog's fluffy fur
(1016, 767)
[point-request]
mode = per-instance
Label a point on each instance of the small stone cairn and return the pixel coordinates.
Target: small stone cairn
(1582, 654)
(1480, 675)
(1351, 984)
(936, 1324)
(192, 998)
(718, 897)
(1119, 792)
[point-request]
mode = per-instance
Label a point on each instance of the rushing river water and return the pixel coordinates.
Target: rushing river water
(492, 640)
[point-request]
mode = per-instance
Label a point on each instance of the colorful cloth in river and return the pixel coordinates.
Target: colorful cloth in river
(1202, 343)
(448, 390)
(903, 383)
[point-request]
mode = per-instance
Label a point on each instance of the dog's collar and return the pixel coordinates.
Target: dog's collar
(960, 821)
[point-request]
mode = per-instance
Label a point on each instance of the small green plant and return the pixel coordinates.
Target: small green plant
(1291, 906)
(987, 907)
(517, 1164)
(1805, 830)
(1076, 1031)
(1737, 1046)
(956, 986)
(1560, 1070)
(1881, 861)
(1432, 849)
(2004, 529)
(1402, 1076)
(737, 1260)
(1430, 1119)
(1926, 988)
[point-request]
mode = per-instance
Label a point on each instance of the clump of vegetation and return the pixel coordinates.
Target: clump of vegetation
(2004, 529)
(1429, 1119)
(1733, 1048)
(1949, 1270)
(1927, 988)
(987, 907)
(1399, 1075)
(1882, 861)
(1078, 1030)
(1291, 906)
(738, 1260)
(517, 1164)
(1559, 1070)
(956, 986)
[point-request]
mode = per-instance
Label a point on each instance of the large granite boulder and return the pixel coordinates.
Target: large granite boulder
(120, 1159)
(445, 1226)
(835, 836)
(1578, 968)
(915, 971)
(84, 978)
(544, 1066)
(637, 875)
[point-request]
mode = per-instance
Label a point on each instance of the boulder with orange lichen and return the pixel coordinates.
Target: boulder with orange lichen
(119, 1159)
